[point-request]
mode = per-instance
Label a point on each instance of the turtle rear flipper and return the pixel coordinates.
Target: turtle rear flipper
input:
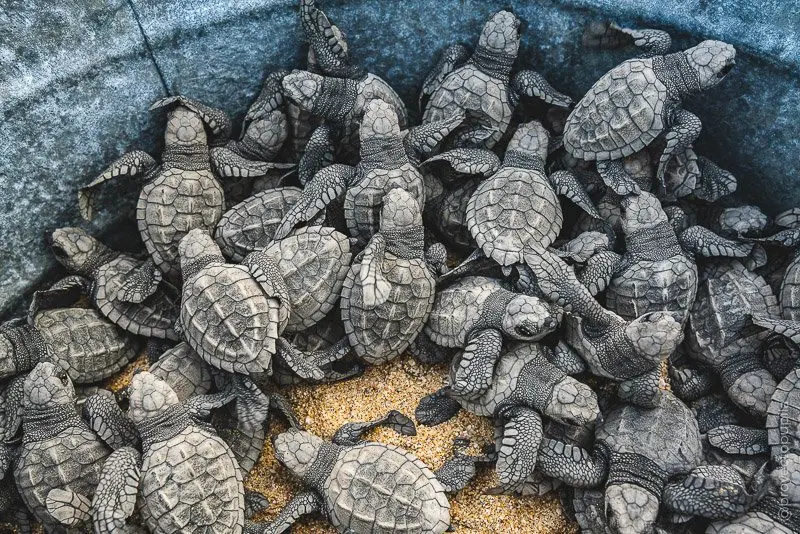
(109, 422)
(531, 83)
(702, 241)
(350, 433)
(468, 160)
(608, 35)
(617, 178)
(436, 408)
(304, 503)
(62, 294)
(140, 283)
(598, 271)
(566, 184)
(471, 373)
(114, 499)
(682, 132)
(228, 164)
(460, 469)
(68, 507)
(424, 139)
(301, 364)
(130, 165)
(327, 185)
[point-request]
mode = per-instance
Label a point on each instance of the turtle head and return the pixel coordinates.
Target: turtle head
(501, 33)
(76, 250)
(47, 385)
(528, 318)
(303, 88)
(184, 128)
(297, 450)
(641, 211)
(400, 211)
(655, 335)
(531, 138)
(379, 121)
(196, 249)
(747, 219)
(712, 60)
(149, 396)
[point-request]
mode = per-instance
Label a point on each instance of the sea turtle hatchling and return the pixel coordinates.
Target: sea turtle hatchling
(517, 205)
(639, 99)
(101, 273)
(180, 194)
(525, 385)
(389, 159)
(721, 336)
(231, 315)
(186, 479)
(636, 451)
(79, 340)
(482, 85)
(364, 486)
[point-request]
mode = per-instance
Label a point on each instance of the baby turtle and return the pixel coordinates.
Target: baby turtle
(61, 457)
(476, 313)
(313, 262)
(362, 487)
(721, 336)
(387, 161)
(769, 515)
(180, 194)
(101, 273)
(186, 479)
(517, 205)
(711, 491)
(482, 85)
(525, 385)
(79, 340)
(231, 315)
(636, 451)
(389, 290)
(251, 224)
(639, 99)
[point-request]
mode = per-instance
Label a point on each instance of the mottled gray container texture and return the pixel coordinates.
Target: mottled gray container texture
(76, 78)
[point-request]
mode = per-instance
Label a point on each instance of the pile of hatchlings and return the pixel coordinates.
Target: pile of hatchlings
(639, 359)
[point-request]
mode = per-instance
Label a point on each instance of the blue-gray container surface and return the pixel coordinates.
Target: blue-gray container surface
(76, 79)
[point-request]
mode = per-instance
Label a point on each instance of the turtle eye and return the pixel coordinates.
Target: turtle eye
(62, 375)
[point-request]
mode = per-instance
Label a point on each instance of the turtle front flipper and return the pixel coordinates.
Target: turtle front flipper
(329, 52)
(217, 121)
(140, 282)
(567, 184)
(131, 165)
(264, 270)
(469, 160)
(735, 439)
(114, 499)
(460, 469)
(254, 503)
(471, 373)
(598, 271)
(228, 164)
(684, 128)
(327, 185)
(533, 84)
(702, 241)
(608, 35)
(710, 491)
(304, 503)
(715, 182)
(584, 246)
(268, 100)
(436, 408)
(424, 139)
(62, 294)
(572, 464)
(318, 154)
(617, 178)
(350, 433)
(453, 56)
(68, 507)
(375, 286)
(519, 445)
(108, 421)
(252, 404)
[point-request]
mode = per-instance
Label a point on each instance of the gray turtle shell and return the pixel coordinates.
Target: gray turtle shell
(384, 489)
(154, 317)
(457, 309)
(513, 209)
(185, 372)
(667, 435)
(385, 331)
(313, 261)
(753, 522)
(363, 200)
(84, 344)
(250, 225)
(192, 483)
(229, 320)
(790, 291)
(484, 97)
(172, 204)
(621, 114)
(71, 459)
(727, 294)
